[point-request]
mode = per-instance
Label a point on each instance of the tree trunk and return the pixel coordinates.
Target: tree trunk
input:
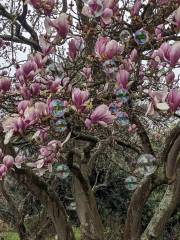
(138, 201)
(91, 224)
(55, 208)
(19, 221)
(164, 211)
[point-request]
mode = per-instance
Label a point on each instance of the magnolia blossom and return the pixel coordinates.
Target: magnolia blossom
(3, 170)
(39, 60)
(33, 113)
(107, 49)
(101, 115)
(87, 73)
(107, 16)
(46, 5)
(25, 91)
(170, 77)
(41, 108)
(27, 71)
(23, 105)
(48, 155)
(76, 45)
(158, 31)
(101, 8)
(13, 125)
(133, 55)
(136, 8)
(122, 78)
(35, 89)
(19, 160)
(8, 161)
(41, 134)
(158, 100)
(164, 52)
(80, 99)
(46, 47)
(54, 85)
(174, 99)
(61, 24)
(175, 53)
(95, 8)
(5, 84)
(168, 53)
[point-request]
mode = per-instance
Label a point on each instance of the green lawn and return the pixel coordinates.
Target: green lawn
(10, 236)
(77, 233)
(14, 235)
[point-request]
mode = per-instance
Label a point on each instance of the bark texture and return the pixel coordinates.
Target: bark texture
(91, 224)
(56, 210)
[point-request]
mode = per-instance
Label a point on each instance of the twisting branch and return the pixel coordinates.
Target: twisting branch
(64, 8)
(19, 221)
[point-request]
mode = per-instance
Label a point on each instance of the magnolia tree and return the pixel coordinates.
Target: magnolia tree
(79, 76)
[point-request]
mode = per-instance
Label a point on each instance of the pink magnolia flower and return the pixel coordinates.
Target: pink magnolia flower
(61, 24)
(76, 45)
(136, 8)
(87, 73)
(41, 108)
(19, 160)
(5, 84)
(158, 31)
(158, 100)
(46, 5)
(35, 89)
(170, 77)
(48, 154)
(113, 49)
(177, 18)
(174, 99)
(27, 71)
(122, 78)
(23, 105)
(12, 125)
(107, 49)
(163, 52)
(162, 2)
(107, 16)
(133, 55)
(174, 55)
(3, 171)
(25, 92)
(110, 4)
(101, 46)
(41, 134)
(8, 161)
(15, 124)
(96, 7)
(39, 60)
(80, 99)
(31, 115)
(55, 85)
(45, 46)
(101, 115)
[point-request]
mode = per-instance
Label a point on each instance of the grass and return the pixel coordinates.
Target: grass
(10, 236)
(77, 233)
(14, 235)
